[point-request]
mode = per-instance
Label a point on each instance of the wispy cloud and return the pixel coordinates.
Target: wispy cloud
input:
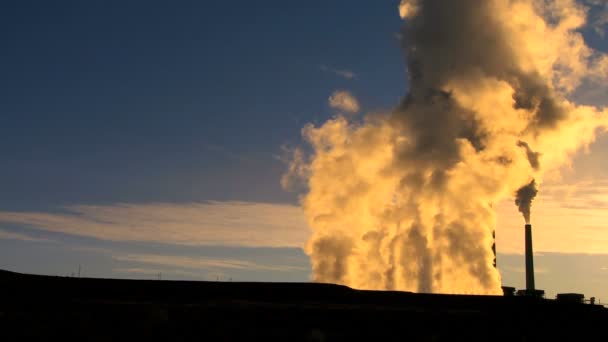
(247, 224)
(586, 194)
(203, 263)
(344, 73)
(170, 273)
(154, 272)
(7, 235)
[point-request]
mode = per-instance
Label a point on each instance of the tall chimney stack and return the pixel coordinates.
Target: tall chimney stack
(529, 261)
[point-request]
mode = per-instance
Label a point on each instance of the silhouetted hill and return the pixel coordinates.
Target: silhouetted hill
(44, 307)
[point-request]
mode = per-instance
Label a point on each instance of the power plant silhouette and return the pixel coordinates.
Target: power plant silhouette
(36, 307)
(530, 289)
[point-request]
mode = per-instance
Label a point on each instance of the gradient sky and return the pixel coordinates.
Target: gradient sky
(146, 137)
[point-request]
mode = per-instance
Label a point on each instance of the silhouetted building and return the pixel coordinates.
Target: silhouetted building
(531, 293)
(64, 308)
(508, 291)
(578, 298)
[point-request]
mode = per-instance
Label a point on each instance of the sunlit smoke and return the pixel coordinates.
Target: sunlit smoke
(524, 197)
(403, 200)
(344, 101)
(408, 8)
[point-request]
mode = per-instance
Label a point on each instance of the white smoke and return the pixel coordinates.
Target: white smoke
(404, 200)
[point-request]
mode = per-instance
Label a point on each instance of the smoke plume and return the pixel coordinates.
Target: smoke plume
(524, 197)
(533, 157)
(402, 200)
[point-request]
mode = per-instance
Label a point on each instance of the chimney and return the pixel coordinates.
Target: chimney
(529, 261)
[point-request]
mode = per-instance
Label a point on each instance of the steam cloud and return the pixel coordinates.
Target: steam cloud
(524, 197)
(344, 101)
(403, 200)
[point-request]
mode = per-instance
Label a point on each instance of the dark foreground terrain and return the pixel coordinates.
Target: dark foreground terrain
(59, 308)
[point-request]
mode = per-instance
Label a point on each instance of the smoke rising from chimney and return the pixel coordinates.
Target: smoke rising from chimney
(533, 157)
(524, 197)
(401, 200)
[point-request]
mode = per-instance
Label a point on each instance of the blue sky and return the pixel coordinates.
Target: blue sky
(104, 99)
(157, 105)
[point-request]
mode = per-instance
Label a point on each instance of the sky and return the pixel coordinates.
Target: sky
(149, 137)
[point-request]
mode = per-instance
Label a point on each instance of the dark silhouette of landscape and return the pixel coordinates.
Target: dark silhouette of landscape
(57, 308)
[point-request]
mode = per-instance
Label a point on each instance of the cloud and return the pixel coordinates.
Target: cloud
(6, 235)
(154, 272)
(344, 73)
(246, 224)
(582, 195)
(344, 101)
(203, 263)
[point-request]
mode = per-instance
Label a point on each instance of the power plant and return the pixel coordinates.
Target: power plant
(286, 311)
(531, 290)
(36, 307)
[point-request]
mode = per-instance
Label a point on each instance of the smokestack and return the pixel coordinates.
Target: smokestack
(529, 261)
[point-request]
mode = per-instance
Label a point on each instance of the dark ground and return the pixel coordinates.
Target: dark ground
(59, 308)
